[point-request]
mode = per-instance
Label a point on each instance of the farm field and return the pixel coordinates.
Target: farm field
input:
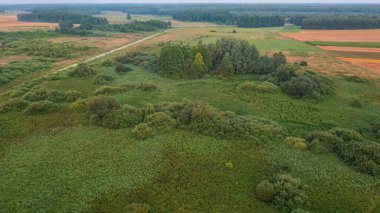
(196, 117)
(9, 22)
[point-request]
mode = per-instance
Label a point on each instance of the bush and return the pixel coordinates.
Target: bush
(82, 71)
(326, 139)
(147, 86)
(102, 79)
(120, 68)
(265, 191)
(356, 103)
(160, 121)
(3, 80)
(79, 106)
(40, 107)
(126, 117)
(285, 191)
(13, 105)
(375, 127)
(347, 134)
(40, 93)
(303, 63)
(99, 109)
(266, 87)
(72, 95)
(296, 143)
(143, 131)
(247, 86)
(113, 89)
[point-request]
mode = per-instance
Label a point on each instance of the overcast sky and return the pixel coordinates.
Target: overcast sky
(185, 1)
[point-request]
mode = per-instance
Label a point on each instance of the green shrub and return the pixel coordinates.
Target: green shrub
(303, 63)
(147, 86)
(79, 106)
(357, 79)
(247, 86)
(40, 107)
(3, 80)
(347, 134)
(356, 103)
(296, 143)
(375, 127)
(82, 71)
(326, 139)
(100, 109)
(266, 87)
(285, 191)
(113, 89)
(364, 156)
(72, 95)
(160, 121)
(120, 68)
(40, 93)
(143, 131)
(265, 191)
(13, 105)
(129, 116)
(102, 79)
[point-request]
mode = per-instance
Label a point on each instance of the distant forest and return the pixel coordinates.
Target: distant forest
(308, 16)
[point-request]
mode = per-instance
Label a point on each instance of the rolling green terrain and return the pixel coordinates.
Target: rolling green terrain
(59, 154)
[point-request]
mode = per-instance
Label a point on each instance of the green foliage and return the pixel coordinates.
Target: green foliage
(296, 143)
(120, 68)
(40, 107)
(128, 116)
(303, 63)
(137, 207)
(147, 86)
(171, 61)
(141, 59)
(161, 122)
(73, 95)
(79, 106)
(82, 71)
(375, 127)
(225, 68)
(14, 104)
(113, 89)
(357, 79)
(357, 103)
(102, 79)
(266, 88)
(100, 109)
(247, 86)
(143, 131)
(284, 191)
(40, 93)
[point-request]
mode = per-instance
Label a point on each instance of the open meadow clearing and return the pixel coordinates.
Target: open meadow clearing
(10, 23)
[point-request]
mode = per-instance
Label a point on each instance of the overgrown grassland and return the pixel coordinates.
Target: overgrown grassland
(345, 44)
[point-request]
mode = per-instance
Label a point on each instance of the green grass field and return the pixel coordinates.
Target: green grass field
(345, 44)
(58, 162)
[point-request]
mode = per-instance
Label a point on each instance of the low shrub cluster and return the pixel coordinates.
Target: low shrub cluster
(262, 87)
(40, 107)
(102, 79)
(82, 71)
(301, 84)
(350, 146)
(14, 104)
(198, 117)
(143, 131)
(141, 59)
(120, 68)
(147, 86)
(285, 191)
(296, 143)
(73, 95)
(375, 127)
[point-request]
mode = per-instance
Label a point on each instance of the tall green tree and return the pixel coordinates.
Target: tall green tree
(199, 67)
(171, 61)
(226, 68)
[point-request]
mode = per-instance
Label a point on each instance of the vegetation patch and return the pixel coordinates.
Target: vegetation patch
(40, 107)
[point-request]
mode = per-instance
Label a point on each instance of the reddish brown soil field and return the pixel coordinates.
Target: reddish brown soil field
(337, 35)
(351, 49)
(371, 64)
(10, 23)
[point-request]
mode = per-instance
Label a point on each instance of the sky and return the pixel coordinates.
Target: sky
(185, 1)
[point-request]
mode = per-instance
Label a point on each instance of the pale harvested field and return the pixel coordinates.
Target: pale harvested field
(337, 35)
(10, 23)
(351, 49)
(371, 64)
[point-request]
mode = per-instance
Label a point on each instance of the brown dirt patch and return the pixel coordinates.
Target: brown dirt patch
(351, 49)
(371, 64)
(4, 60)
(337, 35)
(10, 23)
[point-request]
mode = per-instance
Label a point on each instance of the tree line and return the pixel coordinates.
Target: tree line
(56, 16)
(340, 22)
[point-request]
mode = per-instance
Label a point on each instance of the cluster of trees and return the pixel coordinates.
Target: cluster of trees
(260, 21)
(134, 26)
(225, 57)
(226, 17)
(57, 16)
(340, 22)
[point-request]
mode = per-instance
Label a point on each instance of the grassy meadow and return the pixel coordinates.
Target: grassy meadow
(58, 162)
